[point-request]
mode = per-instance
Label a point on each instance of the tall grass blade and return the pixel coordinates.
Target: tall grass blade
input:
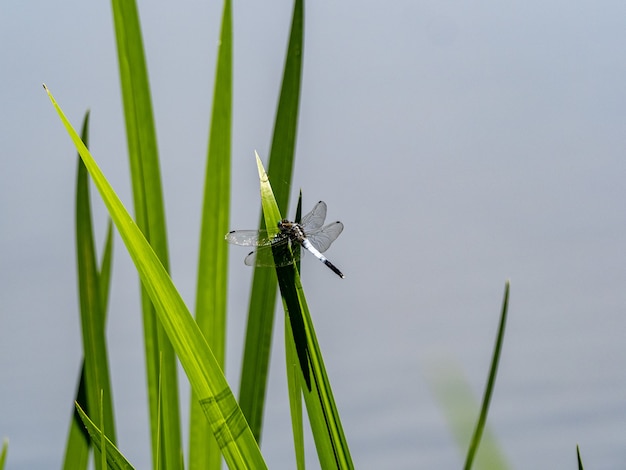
(295, 394)
(332, 447)
(150, 217)
(96, 366)
(207, 380)
(491, 380)
(212, 285)
(260, 323)
(114, 458)
(77, 447)
(293, 375)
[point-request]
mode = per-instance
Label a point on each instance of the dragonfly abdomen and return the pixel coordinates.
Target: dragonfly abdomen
(309, 246)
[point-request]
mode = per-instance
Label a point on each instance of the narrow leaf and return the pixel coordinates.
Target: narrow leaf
(580, 462)
(77, 446)
(114, 458)
(212, 286)
(491, 380)
(150, 217)
(295, 394)
(92, 316)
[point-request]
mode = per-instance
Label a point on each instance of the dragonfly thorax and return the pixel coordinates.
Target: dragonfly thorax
(293, 230)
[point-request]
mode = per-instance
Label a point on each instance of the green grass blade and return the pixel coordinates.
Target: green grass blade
(103, 439)
(330, 442)
(491, 380)
(150, 216)
(297, 219)
(3, 453)
(293, 376)
(92, 316)
(260, 323)
(207, 380)
(114, 458)
(295, 395)
(105, 269)
(77, 446)
(212, 288)
(580, 462)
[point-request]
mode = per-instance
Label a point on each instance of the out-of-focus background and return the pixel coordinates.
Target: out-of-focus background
(460, 144)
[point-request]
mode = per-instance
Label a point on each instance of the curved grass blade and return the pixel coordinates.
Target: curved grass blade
(330, 442)
(491, 380)
(114, 458)
(150, 216)
(212, 285)
(253, 384)
(207, 380)
(92, 315)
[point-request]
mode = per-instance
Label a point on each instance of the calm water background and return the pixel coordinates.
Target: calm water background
(461, 145)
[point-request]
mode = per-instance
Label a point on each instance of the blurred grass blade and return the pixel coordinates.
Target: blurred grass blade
(114, 458)
(212, 288)
(150, 217)
(207, 380)
(253, 384)
(77, 447)
(580, 462)
(3, 453)
(459, 404)
(92, 316)
(330, 442)
(493, 371)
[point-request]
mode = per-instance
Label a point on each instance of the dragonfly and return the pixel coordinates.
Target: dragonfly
(310, 234)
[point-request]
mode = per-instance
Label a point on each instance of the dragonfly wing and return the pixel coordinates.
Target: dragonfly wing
(314, 219)
(323, 238)
(249, 238)
(265, 256)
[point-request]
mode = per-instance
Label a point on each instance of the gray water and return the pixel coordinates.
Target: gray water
(460, 146)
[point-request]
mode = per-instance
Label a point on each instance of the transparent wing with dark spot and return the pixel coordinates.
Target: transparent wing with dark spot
(265, 256)
(323, 238)
(314, 219)
(250, 238)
